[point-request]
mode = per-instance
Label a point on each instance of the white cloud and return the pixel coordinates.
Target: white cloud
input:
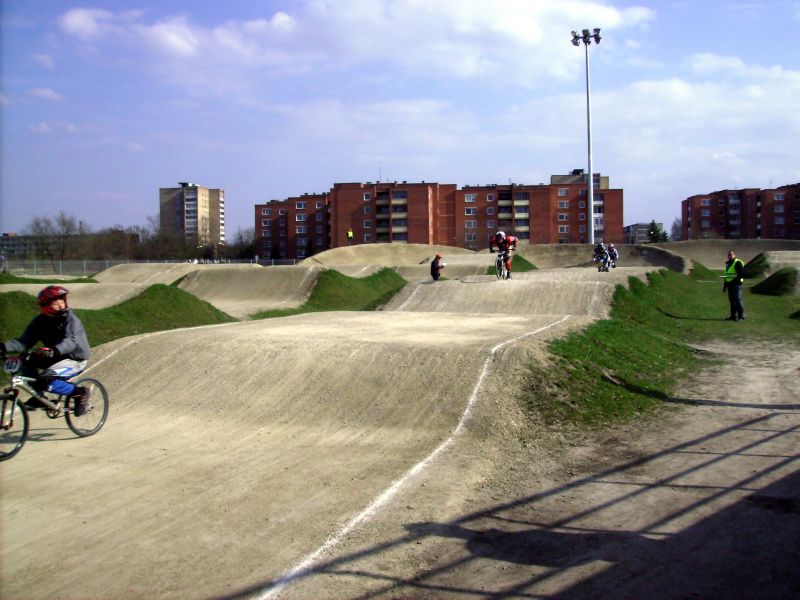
(44, 59)
(86, 22)
(135, 147)
(46, 94)
(45, 128)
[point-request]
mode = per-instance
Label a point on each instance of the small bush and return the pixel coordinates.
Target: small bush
(781, 282)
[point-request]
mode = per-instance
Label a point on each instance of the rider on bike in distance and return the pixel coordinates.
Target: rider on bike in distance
(65, 352)
(504, 245)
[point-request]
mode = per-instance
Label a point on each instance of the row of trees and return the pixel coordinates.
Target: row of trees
(63, 237)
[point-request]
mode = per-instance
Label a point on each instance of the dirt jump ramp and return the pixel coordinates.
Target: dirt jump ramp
(241, 293)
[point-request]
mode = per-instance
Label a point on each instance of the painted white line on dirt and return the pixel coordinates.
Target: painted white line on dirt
(403, 305)
(383, 498)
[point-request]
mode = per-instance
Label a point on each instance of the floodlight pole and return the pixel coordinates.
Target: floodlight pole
(586, 38)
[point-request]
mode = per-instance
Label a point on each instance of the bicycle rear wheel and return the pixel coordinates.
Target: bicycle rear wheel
(97, 413)
(14, 426)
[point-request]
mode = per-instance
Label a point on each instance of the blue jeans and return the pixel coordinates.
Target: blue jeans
(735, 299)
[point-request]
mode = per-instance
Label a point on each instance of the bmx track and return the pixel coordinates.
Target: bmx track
(238, 456)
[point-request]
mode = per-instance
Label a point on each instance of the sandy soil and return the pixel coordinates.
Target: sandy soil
(352, 455)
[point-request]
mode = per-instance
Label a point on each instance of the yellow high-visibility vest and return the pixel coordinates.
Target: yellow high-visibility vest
(730, 271)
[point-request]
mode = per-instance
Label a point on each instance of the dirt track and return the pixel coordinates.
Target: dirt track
(337, 455)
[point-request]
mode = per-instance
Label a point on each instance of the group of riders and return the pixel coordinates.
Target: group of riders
(605, 257)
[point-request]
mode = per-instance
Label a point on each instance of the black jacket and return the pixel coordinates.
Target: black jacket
(64, 334)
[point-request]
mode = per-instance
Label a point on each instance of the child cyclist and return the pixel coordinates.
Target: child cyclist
(65, 352)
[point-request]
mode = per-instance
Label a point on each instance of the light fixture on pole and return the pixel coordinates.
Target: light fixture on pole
(586, 37)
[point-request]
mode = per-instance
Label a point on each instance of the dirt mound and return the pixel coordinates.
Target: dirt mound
(244, 292)
(713, 253)
(144, 274)
(388, 255)
(553, 256)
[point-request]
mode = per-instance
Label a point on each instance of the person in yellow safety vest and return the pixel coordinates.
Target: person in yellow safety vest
(350, 236)
(734, 270)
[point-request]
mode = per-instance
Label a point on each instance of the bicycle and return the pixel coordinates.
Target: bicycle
(500, 264)
(14, 418)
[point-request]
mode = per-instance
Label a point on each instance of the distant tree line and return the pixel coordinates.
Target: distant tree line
(63, 237)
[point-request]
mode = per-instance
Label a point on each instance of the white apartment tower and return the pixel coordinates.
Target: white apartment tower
(194, 212)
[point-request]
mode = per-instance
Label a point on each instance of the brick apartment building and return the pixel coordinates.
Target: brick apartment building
(434, 213)
(749, 213)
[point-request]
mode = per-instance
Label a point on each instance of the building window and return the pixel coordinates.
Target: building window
(319, 228)
(266, 223)
(282, 211)
(582, 229)
(318, 204)
(320, 241)
(282, 222)
(367, 210)
(470, 224)
(521, 195)
(400, 236)
(367, 237)
(300, 217)
(470, 237)
(399, 195)
(301, 229)
(300, 205)
(582, 204)
(522, 223)
(563, 229)
(780, 220)
(522, 210)
(471, 211)
(367, 224)
(490, 210)
(563, 217)
(563, 240)
(705, 223)
(563, 192)
(582, 216)
(301, 253)
(706, 212)
(721, 201)
(267, 233)
(318, 217)
(282, 233)
(302, 241)
(367, 196)
(705, 202)
(779, 196)
(399, 222)
(491, 224)
(267, 212)
(779, 208)
(470, 197)
(524, 235)
(490, 197)
(563, 204)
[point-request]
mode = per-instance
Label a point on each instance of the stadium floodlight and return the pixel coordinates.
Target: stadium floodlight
(586, 37)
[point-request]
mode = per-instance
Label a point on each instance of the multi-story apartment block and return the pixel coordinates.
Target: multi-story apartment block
(436, 213)
(292, 228)
(639, 233)
(194, 212)
(749, 213)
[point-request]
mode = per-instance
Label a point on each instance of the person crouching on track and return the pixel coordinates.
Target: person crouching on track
(436, 267)
(504, 245)
(65, 352)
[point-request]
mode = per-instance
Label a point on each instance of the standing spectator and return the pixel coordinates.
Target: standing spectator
(350, 236)
(734, 269)
(436, 267)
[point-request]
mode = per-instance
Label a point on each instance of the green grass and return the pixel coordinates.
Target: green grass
(781, 282)
(9, 278)
(627, 365)
(519, 264)
(335, 291)
(160, 307)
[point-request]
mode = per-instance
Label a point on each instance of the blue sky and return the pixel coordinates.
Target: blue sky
(105, 102)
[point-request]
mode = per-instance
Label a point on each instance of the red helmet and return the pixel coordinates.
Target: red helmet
(47, 295)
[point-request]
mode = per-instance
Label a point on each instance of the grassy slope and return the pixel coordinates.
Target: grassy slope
(335, 291)
(645, 346)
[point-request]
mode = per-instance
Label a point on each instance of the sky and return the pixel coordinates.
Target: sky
(104, 102)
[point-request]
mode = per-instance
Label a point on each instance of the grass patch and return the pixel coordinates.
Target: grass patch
(756, 267)
(335, 291)
(783, 281)
(626, 365)
(9, 278)
(160, 307)
(519, 264)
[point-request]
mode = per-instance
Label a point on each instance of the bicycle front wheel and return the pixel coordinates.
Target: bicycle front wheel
(96, 414)
(500, 268)
(14, 426)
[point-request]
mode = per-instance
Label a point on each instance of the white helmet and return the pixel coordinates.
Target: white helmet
(500, 236)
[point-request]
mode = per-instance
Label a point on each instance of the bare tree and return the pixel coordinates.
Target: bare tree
(675, 233)
(55, 237)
